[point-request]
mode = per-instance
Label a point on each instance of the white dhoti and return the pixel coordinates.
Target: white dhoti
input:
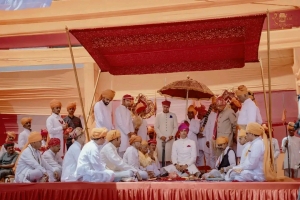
(192, 169)
(123, 174)
(244, 176)
(98, 176)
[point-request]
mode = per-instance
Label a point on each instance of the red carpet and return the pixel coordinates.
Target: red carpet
(151, 191)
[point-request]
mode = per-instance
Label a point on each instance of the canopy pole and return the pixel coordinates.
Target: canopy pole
(187, 103)
(77, 83)
(264, 89)
(93, 99)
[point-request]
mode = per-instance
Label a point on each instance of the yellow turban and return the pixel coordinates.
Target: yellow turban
(290, 126)
(255, 128)
(135, 138)
(241, 90)
(242, 133)
(98, 133)
(55, 103)
(191, 108)
(144, 143)
(71, 105)
(34, 137)
(11, 134)
(222, 140)
(113, 134)
(25, 120)
(109, 94)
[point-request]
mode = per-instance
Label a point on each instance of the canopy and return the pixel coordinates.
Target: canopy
(174, 47)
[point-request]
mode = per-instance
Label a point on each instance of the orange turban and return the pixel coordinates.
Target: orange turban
(242, 133)
(236, 102)
(71, 105)
(144, 142)
(25, 120)
(191, 108)
(109, 94)
(222, 140)
(291, 126)
(98, 133)
(55, 103)
(255, 128)
(34, 137)
(11, 134)
(241, 90)
(150, 129)
(113, 134)
(135, 138)
(213, 99)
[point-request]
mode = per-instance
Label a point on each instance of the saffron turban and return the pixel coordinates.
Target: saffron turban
(113, 134)
(108, 94)
(144, 142)
(76, 132)
(140, 107)
(98, 133)
(241, 90)
(25, 120)
(71, 105)
(183, 126)
(191, 108)
(150, 129)
(34, 137)
(242, 133)
(44, 132)
(213, 99)
(166, 103)
(236, 102)
(11, 134)
(291, 126)
(201, 110)
(55, 103)
(54, 142)
(128, 97)
(222, 140)
(135, 138)
(255, 128)
(152, 142)
(220, 101)
(9, 144)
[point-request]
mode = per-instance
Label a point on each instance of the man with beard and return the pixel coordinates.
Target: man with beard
(23, 136)
(102, 110)
(72, 120)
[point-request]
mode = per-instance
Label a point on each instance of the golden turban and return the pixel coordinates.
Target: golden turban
(255, 128)
(191, 108)
(144, 143)
(113, 134)
(236, 102)
(34, 137)
(71, 105)
(11, 134)
(55, 103)
(25, 120)
(109, 94)
(241, 90)
(290, 126)
(135, 138)
(98, 133)
(222, 140)
(242, 133)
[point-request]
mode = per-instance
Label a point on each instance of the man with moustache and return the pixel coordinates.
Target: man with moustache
(23, 136)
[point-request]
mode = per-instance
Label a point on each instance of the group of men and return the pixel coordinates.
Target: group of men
(124, 152)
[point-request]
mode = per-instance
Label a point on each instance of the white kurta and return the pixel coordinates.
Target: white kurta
(23, 138)
(29, 160)
(143, 130)
(103, 115)
(70, 163)
(124, 124)
(247, 114)
(55, 130)
(194, 129)
(54, 161)
(90, 168)
(258, 116)
(276, 148)
(231, 159)
(183, 153)
(166, 124)
(294, 149)
(131, 157)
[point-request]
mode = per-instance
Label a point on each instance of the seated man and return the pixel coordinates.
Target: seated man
(44, 134)
(146, 162)
(131, 155)
(152, 153)
(70, 160)
(110, 157)
(53, 159)
(251, 169)
(31, 167)
(90, 168)
(8, 160)
(184, 155)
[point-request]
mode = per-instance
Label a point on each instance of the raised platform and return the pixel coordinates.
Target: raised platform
(151, 191)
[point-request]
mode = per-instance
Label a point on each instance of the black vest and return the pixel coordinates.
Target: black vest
(225, 162)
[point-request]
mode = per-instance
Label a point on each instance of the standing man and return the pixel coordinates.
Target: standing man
(124, 122)
(165, 126)
(102, 111)
(56, 125)
(141, 127)
(72, 121)
(23, 136)
(258, 115)
(247, 114)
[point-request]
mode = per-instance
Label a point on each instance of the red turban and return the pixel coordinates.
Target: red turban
(140, 107)
(201, 110)
(128, 97)
(44, 132)
(166, 103)
(152, 142)
(220, 101)
(54, 142)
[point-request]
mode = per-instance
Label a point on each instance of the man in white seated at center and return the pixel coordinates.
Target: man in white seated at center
(111, 158)
(131, 155)
(184, 154)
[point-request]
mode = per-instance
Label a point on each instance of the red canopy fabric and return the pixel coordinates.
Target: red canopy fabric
(174, 47)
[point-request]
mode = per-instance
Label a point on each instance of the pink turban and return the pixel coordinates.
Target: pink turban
(183, 126)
